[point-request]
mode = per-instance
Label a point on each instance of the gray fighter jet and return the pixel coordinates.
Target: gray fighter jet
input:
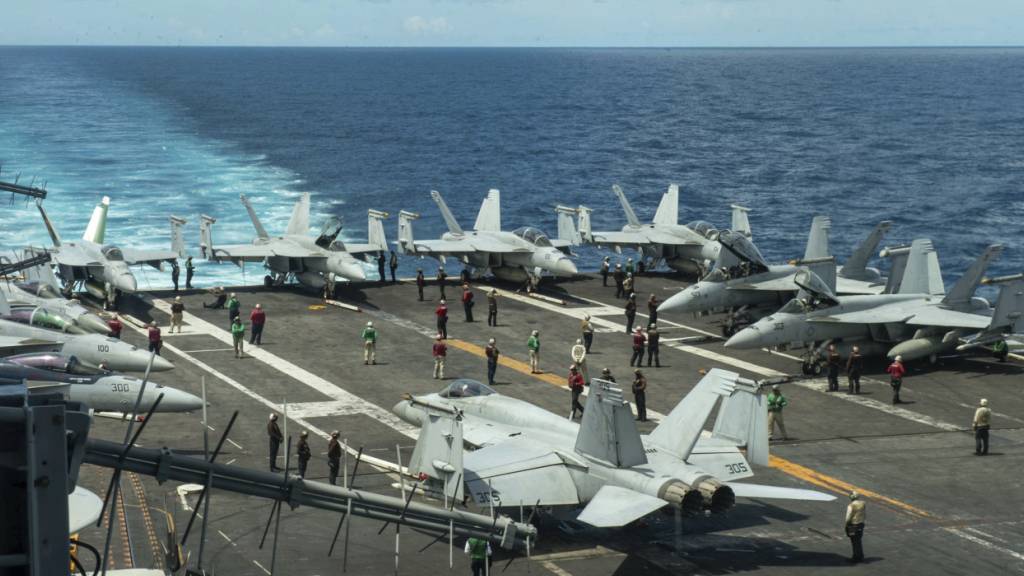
(528, 456)
(104, 269)
(743, 281)
(296, 254)
(101, 390)
(686, 248)
(42, 291)
(919, 321)
(92, 349)
(517, 256)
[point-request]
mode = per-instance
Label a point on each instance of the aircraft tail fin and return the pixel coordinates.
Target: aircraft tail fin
(680, 430)
(566, 226)
(449, 218)
(630, 215)
(743, 419)
(668, 209)
(489, 217)
(261, 232)
(608, 431)
(375, 229)
(42, 273)
(962, 292)
(177, 238)
(5, 308)
(740, 220)
(438, 452)
(50, 229)
(298, 224)
(583, 221)
(856, 265)
(897, 256)
(817, 239)
(206, 236)
(405, 237)
(917, 271)
(1009, 309)
(96, 231)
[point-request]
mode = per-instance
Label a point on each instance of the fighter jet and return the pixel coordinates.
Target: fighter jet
(743, 282)
(90, 349)
(919, 321)
(101, 390)
(517, 256)
(103, 269)
(21, 295)
(685, 248)
(295, 254)
(529, 456)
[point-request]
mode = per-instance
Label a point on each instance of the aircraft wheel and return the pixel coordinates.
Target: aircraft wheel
(816, 368)
(268, 281)
(805, 368)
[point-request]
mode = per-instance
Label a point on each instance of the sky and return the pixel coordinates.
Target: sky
(514, 22)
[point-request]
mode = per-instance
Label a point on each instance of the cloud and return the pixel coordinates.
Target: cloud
(421, 25)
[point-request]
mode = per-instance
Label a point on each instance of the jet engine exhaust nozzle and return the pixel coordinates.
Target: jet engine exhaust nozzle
(717, 496)
(680, 495)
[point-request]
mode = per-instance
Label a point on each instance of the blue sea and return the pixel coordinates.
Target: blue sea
(930, 138)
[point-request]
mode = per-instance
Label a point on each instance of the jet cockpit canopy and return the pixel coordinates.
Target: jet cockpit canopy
(705, 229)
(533, 236)
(466, 388)
(329, 231)
(112, 253)
(741, 246)
(57, 363)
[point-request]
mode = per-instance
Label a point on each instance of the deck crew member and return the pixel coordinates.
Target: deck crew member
(420, 282)
(275, 437)
(440, 352)
(464, 275)
(855, 515)
(156, 341)
(640, 394)
(393, 266)
(441, 276)
(638, 348)
(533, 347)
(234, 308)
(653, 346)
(652, 309)
(606, 374)
(492, 307)
(629, 285)
(629, 266)
(219, 301)
(369, 337)
(238, 337)
(175, 274)
(381, 262)
(190, 271)
(442, 318)
(304, 453)
(579, 358)
(630, 311)
(116, 326)
(333, 458)
(576, 383)
(980, 425)
(606, 266)
(619, 277)
(587, 329)
(177, 311)
(896, 371)
(832, 360)
(467, 302)
(493, 354)
(776, 402)
(1000, 350)
(479, 552)
(854, 368)
(258, 318)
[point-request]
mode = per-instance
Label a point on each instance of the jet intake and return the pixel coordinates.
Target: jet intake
(682, 496)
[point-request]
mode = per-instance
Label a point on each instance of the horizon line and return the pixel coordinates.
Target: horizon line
(532, 47)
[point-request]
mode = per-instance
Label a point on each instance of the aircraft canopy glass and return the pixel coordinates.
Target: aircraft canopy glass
(329, 230)
(113, 253)
(703, 228)
(57, 363)
(533, 236)
(813, 283)
(466, 388)
(742, 247)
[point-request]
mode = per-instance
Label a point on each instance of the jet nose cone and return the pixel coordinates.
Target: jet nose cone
(681, 301)
(161, 364)
(92, 323)
(74, 329)
(125, 282)
(179, 401)
(351, 271)
(749, 337)
(564, 267)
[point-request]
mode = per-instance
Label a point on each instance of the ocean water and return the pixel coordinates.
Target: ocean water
(930, 138)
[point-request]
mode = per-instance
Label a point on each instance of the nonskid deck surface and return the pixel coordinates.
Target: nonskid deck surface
(933, 507)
